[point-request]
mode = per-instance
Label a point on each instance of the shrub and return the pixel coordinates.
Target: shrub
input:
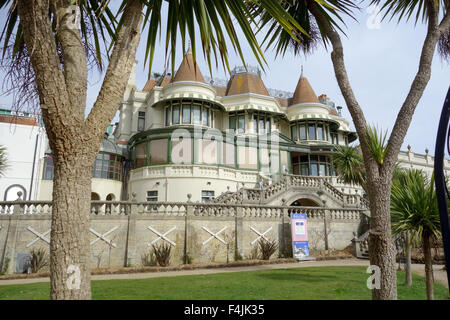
(187, 259)
(39, 259)
(254, 253)
(162, 254)
(148, 259)
(237, 256)
(267, 248)
(4, 267)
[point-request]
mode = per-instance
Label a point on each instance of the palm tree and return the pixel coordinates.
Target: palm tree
(3, 160)
(50, 63)
(349, 165)
(414, 209)
(326, 17)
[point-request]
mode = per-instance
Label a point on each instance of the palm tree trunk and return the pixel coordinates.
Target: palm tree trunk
(426, 244)
(70, 236)
(381, 246)
(408, 275)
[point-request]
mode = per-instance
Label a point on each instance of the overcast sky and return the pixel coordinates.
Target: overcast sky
(381, 61)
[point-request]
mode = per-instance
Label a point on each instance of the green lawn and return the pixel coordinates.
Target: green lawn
(301, 283)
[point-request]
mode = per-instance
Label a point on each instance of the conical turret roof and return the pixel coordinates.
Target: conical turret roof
(188, 70)
(304, 93)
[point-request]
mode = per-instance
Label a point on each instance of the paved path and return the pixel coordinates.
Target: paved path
(439, 274)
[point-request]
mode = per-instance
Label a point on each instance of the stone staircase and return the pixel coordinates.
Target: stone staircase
(361, 245)
(292, 183)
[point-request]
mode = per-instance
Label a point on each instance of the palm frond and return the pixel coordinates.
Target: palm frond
(216, 23)
(311, 31)
(349, 164)
(405, 9)
(376, 141)
(414, 205)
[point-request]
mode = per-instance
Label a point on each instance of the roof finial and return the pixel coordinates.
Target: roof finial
(301, 75)
(189, 47)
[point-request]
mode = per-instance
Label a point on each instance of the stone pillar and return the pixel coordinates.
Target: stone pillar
(11, 237)
(286, 231)
(325, 228)
(188, 230)
(130, 258)
(239, 225)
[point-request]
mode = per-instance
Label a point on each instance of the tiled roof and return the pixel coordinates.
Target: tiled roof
(188, 70)
(284, 102)
(246, 83)
(221, 91)
(304, 93)
(149, 85)
(18, 120)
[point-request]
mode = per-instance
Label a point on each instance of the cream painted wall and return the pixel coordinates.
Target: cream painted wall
(102, 187)
(173, 183)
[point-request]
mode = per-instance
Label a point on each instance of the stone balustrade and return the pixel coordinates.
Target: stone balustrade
(272, 191)
(122, 232)
(118, 208)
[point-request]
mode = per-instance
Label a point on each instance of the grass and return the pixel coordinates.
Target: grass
(333, 283)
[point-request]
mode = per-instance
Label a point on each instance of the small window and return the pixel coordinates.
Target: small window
(314, 169)
(207, 196)
(268, 125)
(320, 132)
(167, 116)
(255, 123)
(152, 196)
(312, 132)
(205, 117)
(176, 115)
(141, 121)
(232, 123)
(241, 123)
(196, 114)
(294, 133)
(302, 132)
(262, 126)
(48, 168)
(186, 119)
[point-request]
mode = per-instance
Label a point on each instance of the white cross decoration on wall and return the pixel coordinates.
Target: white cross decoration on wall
(214, 235)
(260, 235)
(103, 237)
(39, 236)
(161, 236)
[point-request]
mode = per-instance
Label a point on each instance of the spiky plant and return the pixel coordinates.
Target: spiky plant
(39, 259)
(414, 209)
(267, 248)
(162, 253)
(349, 164)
